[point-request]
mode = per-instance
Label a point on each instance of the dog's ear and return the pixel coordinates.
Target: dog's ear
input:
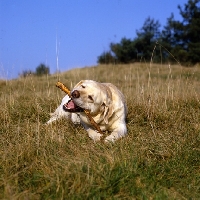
(79, 83)
(107, 105)
(108, 111)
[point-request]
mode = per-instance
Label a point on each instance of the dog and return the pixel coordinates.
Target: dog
(106, 104)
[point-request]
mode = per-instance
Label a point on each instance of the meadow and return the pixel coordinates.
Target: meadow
(159, 158)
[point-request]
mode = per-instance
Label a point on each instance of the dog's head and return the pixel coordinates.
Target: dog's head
(93, 96)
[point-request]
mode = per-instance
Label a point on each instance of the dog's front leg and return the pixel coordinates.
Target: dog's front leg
(93, 134)
(59, 112)
(117, 133)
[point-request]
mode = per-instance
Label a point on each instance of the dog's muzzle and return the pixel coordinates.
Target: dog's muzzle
(70, 106)
(75, 94)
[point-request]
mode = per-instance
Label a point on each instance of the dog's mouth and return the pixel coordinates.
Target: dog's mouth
(70, 106)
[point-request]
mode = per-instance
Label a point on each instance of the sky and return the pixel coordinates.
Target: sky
(67, 34)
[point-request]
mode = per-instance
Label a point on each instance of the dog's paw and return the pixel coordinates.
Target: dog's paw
(110, 138)
(95, 136)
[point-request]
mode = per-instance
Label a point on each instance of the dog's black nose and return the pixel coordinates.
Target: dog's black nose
(75, 94)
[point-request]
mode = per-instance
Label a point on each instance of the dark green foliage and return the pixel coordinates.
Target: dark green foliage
(26, 73)
(191, 16)
(180, 39)
(42, 69)
(129, 51)
(106, 58)
(125, 52)
(147, 37)
(183, 37)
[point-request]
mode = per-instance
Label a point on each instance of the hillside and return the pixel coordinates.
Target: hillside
(159, 159)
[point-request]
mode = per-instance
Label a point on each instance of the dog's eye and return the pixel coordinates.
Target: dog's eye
(82, 86)
(90, 97)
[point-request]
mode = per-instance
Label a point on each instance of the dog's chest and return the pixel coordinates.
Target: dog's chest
(98, 119)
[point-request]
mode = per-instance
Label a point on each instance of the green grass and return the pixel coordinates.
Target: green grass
(159, 159)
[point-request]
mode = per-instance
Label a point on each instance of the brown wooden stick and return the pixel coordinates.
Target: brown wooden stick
(66, 90)
(63, 88)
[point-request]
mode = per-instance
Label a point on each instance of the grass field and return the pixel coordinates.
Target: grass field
(159, 159)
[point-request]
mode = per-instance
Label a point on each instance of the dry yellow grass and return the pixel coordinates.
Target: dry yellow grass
(159, 159)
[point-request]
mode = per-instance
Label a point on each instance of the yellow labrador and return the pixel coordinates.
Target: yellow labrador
(106, 105)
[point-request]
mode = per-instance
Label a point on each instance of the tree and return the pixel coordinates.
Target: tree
(147, 37)
(42, 69)
(150, 30)
(171, 38)
(128, 51)
(26, 73)
(168, 40)
(106, 58)
(179, 38)
(125, 51)
(183, 38)
(191, 27)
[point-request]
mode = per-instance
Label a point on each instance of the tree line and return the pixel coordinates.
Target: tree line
(40, 70)
(178, 41)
